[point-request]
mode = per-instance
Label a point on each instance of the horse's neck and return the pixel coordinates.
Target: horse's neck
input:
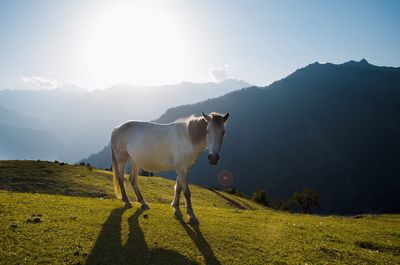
(200, 147)
(197, 133)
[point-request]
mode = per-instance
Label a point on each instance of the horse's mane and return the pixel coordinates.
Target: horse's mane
(196, 128)
(188, 119)
(214, 115)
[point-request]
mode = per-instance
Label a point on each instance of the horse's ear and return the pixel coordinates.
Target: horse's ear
(226, 116)
(208, 118)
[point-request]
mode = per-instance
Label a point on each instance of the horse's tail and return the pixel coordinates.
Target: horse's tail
(117, 188)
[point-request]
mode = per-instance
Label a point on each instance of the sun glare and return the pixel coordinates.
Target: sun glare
(133, 43)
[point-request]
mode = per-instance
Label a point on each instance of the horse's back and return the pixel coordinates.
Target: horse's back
(148, 144)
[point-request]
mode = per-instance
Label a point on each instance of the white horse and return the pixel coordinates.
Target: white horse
(162, 147)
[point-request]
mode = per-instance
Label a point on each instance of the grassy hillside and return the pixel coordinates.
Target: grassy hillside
(88, 226)
(62, 179)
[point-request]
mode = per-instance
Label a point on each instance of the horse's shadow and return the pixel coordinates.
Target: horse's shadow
(194, 232)
(108, 248)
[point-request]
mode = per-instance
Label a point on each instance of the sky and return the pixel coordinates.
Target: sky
(96, 44)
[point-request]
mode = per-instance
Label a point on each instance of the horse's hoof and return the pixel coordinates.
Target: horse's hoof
(144, 206)
(193, 220)
(128, 205)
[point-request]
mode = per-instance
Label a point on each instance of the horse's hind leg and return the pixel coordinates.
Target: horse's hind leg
(133, 179)
(121, 178)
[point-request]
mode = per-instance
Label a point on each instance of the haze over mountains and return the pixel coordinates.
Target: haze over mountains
(333, 128)
(21, 134)
(71, 123)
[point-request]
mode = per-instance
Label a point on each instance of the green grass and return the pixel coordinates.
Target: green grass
(88, 226)
(54, 178)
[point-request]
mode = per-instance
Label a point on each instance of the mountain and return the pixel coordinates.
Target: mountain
(83, 120)
(14, 118)
(40, 104)
(22, 137)
(101, 159)
(27, 143)
(86, 121)
(333, 128)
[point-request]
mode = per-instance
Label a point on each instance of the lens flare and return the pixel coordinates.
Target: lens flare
(225, 178)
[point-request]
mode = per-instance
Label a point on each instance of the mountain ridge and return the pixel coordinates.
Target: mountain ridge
(333, 128)
(83, 120)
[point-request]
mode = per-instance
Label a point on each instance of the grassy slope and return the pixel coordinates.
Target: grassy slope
(81, 229)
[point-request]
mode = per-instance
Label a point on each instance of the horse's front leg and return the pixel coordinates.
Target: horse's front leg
(182, 179)
(175, 202)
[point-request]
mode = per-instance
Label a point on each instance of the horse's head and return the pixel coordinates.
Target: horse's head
(215, 134)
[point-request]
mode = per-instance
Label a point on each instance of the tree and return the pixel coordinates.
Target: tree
(281, 205)
(260, 197)
(306, 199)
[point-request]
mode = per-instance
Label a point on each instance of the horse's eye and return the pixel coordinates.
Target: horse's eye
(223, 132)
(207, 131)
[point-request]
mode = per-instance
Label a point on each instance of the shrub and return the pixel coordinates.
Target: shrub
(282, 205)
(240, 194)
(307, 199)
(231, 190)
(260, 197)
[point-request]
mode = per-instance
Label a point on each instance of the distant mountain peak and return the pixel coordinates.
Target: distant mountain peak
(362, 62)
(351, 62)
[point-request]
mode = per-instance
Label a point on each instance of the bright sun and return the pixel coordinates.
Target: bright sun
(133, 43)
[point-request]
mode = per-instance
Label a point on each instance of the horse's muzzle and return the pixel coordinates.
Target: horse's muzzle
(213, 159)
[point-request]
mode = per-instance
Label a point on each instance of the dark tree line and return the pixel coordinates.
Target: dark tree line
(304, 201)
